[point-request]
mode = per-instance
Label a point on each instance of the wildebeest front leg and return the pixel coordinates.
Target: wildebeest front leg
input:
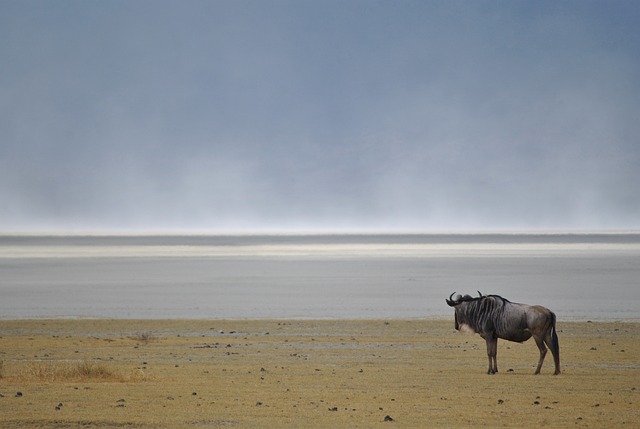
(492, 351)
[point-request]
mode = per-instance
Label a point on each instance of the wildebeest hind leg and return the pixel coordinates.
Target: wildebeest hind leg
(552, 342)
(543, 352)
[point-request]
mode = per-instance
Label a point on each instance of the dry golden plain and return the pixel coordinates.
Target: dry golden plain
(308, 373)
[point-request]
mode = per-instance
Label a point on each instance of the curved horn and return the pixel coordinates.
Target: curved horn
(480, 294)
(449, 301)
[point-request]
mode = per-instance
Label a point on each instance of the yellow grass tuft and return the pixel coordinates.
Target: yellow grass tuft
(50, 371)
(138, 375)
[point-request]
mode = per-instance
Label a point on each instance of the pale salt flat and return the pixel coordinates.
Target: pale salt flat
(579, 276)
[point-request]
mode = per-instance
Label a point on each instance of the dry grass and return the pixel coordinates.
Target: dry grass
(310, 374)
(50, 371)
(144, 337)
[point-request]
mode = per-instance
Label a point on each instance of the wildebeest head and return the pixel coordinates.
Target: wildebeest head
(457, 304)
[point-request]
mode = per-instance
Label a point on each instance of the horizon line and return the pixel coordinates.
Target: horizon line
(106, 232)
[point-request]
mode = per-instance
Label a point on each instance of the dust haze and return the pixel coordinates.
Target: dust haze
(286, 115)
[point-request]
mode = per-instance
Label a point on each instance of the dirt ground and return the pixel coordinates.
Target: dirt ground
(308, 373)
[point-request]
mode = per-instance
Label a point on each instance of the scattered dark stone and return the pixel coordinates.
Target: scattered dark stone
(593, 348)
(596, 405)
(18, 394)
(170, 398)
(59, 406)
(388, 418)
(333, 409)
(536, 402)
(510, 370)
(500, 401)
(548, 408)
(579, 418)
(121, 400)
(258, 403)
(120, 406)
(194, 393)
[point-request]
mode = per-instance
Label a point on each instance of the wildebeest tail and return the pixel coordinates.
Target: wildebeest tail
(554, 335)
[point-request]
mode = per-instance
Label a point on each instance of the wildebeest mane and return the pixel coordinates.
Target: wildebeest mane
(481, 312)
(469, 298)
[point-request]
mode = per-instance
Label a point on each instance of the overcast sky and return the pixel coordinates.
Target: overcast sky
(273, 114)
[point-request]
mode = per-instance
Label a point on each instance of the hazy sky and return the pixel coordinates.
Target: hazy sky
(244, 115)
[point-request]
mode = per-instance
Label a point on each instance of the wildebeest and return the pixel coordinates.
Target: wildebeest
(494, 317)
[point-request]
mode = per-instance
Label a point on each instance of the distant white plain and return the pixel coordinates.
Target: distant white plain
(404, 276)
